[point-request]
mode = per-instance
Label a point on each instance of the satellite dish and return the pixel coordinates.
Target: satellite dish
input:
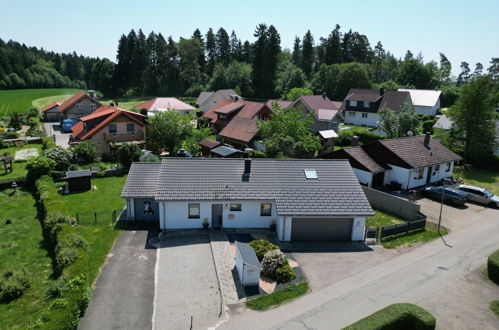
(409, 133)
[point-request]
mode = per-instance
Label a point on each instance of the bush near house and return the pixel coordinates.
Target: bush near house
(396, 316)
(493, 267)
(365, 137)
(261, 247)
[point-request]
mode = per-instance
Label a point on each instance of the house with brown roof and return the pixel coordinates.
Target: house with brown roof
(51, 112)
(109, 126)
(360, 107)
(325, 113)
(77, 106)
(235, 121)
(409, 162)
(161, 104)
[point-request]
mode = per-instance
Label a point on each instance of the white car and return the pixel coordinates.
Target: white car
(480, 195)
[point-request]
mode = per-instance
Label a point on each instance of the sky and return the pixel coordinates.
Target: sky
(462, 30)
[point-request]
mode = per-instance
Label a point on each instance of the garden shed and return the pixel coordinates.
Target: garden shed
(247, 265)
(79, 181)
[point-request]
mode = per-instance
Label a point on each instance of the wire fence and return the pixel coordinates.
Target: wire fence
(98, 218)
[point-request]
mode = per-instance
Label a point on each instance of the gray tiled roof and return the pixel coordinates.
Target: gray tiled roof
(142, 180)
(248, 255)
(336, 192)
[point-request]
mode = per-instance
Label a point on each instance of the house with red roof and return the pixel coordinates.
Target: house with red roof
(77, 106)
(160, 104)
(235, 120)
(109, 126)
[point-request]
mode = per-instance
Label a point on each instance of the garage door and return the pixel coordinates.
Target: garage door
(321, 229)
(146, 209)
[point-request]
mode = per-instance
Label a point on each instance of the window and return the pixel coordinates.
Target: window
(235, 207)
(93, 106)
(420, 173)
(266, 209)
(437, 167)
(364, 115)
(353, 103)
(222, 116)
(194, 211)
(311, 174)
(79, 106)
(448, 167)
(112, 128)
(130, 128)
(367, 104)
(351, 114)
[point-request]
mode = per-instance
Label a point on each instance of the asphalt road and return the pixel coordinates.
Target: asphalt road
(422, 276)
(124, 292)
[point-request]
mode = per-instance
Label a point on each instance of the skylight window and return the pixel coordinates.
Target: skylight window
(311, 174)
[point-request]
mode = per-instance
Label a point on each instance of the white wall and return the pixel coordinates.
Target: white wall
(130, 209)
(408, 177)
(372, 119)
(358, 228)
(363, 176)
(176, 215)
(422, 110)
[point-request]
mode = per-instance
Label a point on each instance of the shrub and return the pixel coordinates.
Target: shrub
(493, 267)
(33, 122)
(59, 303)
(47, 143)
(11, 135)
(285, 274)
(396, 316)
(38, 166)
(272, 261)
(261, 247)
(128, 153)
(13, 285)
(85, 151)
(258, 154)
(365, 137)
(61, 156)
(55, 289)
(33, 113)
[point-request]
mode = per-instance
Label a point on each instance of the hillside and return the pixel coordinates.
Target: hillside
(20, 100)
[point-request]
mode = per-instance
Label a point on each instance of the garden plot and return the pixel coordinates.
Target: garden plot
(25, 154)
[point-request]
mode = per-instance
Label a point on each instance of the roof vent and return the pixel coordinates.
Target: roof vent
(427, 138)
(324, 95)
(311, 174)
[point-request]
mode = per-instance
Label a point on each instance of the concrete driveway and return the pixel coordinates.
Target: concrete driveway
(186, 285)
(124, 292)
(54, 130)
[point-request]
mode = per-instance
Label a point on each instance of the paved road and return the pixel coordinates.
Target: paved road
(124, 292)
(54, 129)
(186, 285)
(421, 276)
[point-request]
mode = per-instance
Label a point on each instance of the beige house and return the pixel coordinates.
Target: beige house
(76, 107)
(109, 126)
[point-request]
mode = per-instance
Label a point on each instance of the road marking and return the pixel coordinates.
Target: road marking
(156, 269)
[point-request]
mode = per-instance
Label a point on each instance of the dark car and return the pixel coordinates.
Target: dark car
(450, 194)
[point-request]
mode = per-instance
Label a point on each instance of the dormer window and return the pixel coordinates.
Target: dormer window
(367, 104)
(222, 116)
(353, 103)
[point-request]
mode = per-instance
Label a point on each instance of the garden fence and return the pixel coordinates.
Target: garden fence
(98, 218)
(402, 228)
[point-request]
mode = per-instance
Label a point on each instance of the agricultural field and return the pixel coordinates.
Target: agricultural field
(20, 100)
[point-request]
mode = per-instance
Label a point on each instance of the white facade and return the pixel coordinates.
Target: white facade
(411, 178)
(359, 118)
(365, 178)
(423, 110)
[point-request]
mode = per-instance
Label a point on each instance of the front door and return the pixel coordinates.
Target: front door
(428, 176)
(217, 216)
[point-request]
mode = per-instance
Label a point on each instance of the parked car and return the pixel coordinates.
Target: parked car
(67, 124)
(480, 195)
(451, 194)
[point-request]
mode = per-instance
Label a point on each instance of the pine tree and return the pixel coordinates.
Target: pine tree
(308, 57)
(222, 47)
(445, 68)
(464, 76)
(211, 51)
(296, 57)
(332, 51)
(201, 59)
(259, 74)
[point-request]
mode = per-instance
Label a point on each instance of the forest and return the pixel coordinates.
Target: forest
(259, 69)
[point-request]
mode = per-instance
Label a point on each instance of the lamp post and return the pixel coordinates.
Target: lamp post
(441, 205)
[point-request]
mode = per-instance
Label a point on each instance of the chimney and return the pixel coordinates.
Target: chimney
(247, 169)
(91, 93)
(111, 104)
(355, 141)
(427, 140)
(324, 95)
(382, 91)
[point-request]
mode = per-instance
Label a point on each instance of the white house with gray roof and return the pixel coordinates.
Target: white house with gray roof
(425, 101)
(308, 200)
(207, 99)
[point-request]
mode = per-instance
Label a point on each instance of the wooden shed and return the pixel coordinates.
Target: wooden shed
(247, 265)
(79, 181)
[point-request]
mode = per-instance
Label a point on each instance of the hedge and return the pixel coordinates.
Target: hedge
(7, 183)
(396, 316)
(493, 267)
(70, 260)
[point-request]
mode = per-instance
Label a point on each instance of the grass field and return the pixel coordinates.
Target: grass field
(128, 103)
(278, 298)
(21, 246)
(421, 236)
(19, 169)
(486, 179)
(381, 219)
(20, 100)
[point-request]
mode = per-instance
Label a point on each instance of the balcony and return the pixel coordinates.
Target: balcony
(124, 137)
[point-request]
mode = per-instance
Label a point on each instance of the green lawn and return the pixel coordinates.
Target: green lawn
(20, 100)
(278, 298)
(421, 236)
(128, 103)
(494, 306)
(21, 245)
(105, 198)
(19, 169)
(477, 177)
(381, 219)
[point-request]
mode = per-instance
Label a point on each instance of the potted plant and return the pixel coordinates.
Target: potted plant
(206, 224)
(273, 226)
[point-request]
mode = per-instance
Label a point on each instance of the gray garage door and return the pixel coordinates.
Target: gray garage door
(146, 209)
(321, 229)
